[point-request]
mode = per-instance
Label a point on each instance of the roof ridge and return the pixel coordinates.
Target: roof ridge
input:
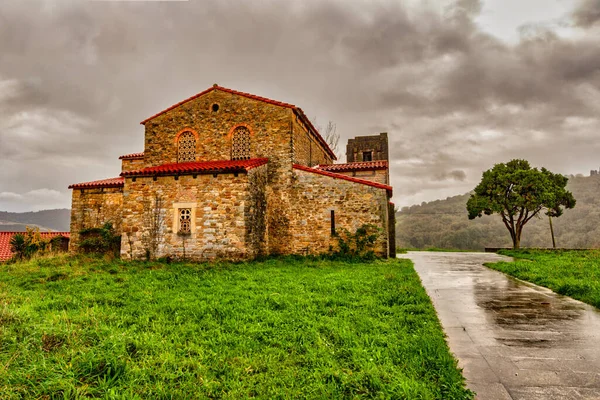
(355, 165)
(102, 183)
(224, 89)
(198, 167)
(298, 110)
(132, 155)
(344, 177)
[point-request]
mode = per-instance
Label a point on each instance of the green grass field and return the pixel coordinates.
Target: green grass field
(85, 327)
(574, 273)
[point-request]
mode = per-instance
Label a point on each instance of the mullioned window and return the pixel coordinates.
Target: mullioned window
(240, 144)
(186, 147)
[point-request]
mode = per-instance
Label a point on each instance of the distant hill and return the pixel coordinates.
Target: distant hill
(54, 220)
(445, 224)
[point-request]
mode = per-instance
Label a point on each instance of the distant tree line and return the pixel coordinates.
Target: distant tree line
(445, 223)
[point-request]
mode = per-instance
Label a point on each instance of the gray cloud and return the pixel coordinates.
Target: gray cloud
(77, 77)
(456, 175)
(587, 13)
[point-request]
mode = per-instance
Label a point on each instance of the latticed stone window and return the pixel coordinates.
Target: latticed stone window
(186, 150)
(240, 144)
(185, 221)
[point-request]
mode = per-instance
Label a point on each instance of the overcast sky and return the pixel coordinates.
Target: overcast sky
(458, 85)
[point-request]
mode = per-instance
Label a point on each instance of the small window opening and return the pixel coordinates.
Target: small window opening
(186, 147)
(367, 156)
(332, 223)
(215, 107)
(240, 144)
(185, 220)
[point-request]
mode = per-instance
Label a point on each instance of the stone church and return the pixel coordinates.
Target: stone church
(227, 174)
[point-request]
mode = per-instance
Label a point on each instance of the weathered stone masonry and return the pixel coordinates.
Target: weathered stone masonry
(354, 205)
(228, 215)
(94, 206)
(222, 172)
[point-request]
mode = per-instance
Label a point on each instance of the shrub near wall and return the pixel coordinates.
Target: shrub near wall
(102, 240)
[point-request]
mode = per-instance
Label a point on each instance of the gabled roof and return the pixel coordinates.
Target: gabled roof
(103, 183)
(6, 254)
(203, 167)
(297, 110)
(355, 166)
(344, 177)
(132, 156)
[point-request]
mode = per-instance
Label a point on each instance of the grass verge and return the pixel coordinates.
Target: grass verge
(85, 327)
(574, 273)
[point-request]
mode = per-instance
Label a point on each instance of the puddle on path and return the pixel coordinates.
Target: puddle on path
(513, 339)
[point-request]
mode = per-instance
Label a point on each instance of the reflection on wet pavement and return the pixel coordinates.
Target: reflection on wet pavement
(514, 340)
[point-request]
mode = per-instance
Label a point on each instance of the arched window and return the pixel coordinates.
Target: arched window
(186, 147)
(240, 144)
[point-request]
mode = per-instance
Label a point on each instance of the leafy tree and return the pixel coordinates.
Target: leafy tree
(518, 193)
(18, 246)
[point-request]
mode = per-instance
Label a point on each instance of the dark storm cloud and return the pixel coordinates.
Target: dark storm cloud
(587, 13)
(456, 175)
(76, 77)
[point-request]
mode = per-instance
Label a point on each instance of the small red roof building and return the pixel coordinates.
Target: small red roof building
(6, 253)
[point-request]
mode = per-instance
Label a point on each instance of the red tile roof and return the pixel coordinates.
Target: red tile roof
(345, 177)
(132, 156)
(355, 166)
(6, 254)
(297, 110)
(104, 183)
(203, 167)
(217, 87)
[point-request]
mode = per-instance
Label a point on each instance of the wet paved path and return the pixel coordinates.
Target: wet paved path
(514, 340)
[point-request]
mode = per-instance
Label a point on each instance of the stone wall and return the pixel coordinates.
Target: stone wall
(379, 176)
(392, 229)
(269, 126)
(130, 164)
(377, 144)
(305, 148)
(92, 208)
(354, 204)
(228, 216)
(257, 240)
